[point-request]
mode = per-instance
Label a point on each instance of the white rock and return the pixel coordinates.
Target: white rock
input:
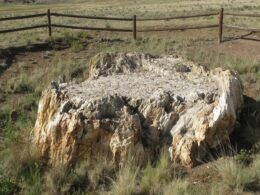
(135, 104)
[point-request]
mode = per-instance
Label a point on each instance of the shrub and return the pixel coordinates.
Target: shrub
(4, 117)
(233, 174)
(100, 173)
(126, 181)
(21, 160)
(58, 180)
(17, 123)
(23, 86)
(33, 181)
(76, 45)
(178, 187)
(153, 177)
(244, 157)
(64, 180)
(8, 187)
(83, 35)
(21, 165)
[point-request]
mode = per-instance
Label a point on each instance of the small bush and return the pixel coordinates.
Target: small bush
(22, 165)
(34, 182)
(178, 187)
(153, 177)
(101, 172)
(18, 123)
(11, 132)
(8, 187)
(244, 157)
(62, 180)
(83, 35)
(216, 188)
(76, 45)
(4, 117)
(21, 160)
(126, 181)
(23, 85)
(67, 36)
(234, 175)
(58, 180)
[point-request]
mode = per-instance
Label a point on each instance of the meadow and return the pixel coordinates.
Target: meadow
(142, 9)
(34, 60)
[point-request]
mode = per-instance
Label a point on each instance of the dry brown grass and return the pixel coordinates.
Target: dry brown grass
(116, 8)
(97, 178)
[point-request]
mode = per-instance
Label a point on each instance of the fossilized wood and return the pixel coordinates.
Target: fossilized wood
(136, 104)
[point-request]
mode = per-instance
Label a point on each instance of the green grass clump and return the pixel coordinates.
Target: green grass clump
(126, 181)
(20, 85)
(21, 169)
(234, 175)
(83, 35)
(178, 187)
(154, 177)
(17, 120)
(58, 180)
(8, 186)
(76, 45)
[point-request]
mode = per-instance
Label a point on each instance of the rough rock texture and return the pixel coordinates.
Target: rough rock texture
(136, 104)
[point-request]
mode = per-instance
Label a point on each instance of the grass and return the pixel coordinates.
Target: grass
(154, 177)
(234, 175)
(18, 116)
(21, 170)
(144, 9)
(76, 45)
(100, 176)
(126, 181)
(178, 187)
(58, 180)
(8, 186)
(256, 166)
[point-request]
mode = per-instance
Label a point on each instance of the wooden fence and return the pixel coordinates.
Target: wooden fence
(220, 25)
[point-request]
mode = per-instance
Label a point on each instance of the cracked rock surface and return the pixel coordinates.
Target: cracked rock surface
(137, 104)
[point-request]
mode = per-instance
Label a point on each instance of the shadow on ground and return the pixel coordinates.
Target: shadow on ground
(247, 133)
(243, 37)
(7, 56)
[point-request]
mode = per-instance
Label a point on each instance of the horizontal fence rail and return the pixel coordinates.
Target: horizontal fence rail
(242, 15)
(242, 28)
(91, 28)
(178, 28)
(49, 25)
(23, 17)
(179, 17)
(90, 17)
(23, 28)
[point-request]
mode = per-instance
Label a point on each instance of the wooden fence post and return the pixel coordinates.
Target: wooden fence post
(134, 27)
(49, 22)
(221, 17)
